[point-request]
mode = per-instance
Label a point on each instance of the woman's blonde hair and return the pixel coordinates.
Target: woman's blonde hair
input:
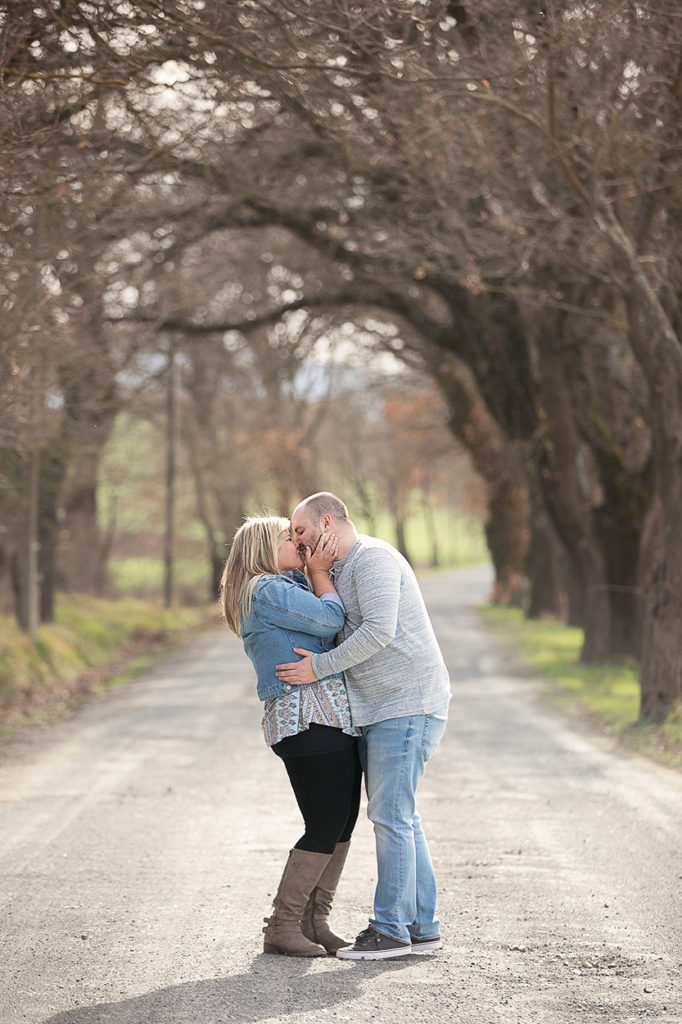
(254, 553)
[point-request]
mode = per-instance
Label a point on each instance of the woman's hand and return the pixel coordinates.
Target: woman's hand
(323, 557)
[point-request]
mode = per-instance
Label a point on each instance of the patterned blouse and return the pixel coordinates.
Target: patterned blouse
(324, 703)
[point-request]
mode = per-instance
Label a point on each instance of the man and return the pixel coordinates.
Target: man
(399, 691)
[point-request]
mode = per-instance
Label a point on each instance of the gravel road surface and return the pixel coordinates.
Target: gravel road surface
(141, 841)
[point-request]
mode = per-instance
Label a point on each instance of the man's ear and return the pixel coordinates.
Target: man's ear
(326, 522)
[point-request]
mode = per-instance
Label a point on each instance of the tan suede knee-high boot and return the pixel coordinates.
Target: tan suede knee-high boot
(282, 933)
(315, 920)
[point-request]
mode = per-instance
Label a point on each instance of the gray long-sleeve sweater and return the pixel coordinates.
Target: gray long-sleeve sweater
(387, 648)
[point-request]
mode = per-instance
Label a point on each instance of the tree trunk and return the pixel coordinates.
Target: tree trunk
(575, 594)
(367, 505)
(619, 541)
(28, 579)
(87, 433)
(506, 533)
(661, 551)
(401, 544)
(91, 404)
(566, 488)
(661, 668)
(217, 566)
(498, 462)
(432, 532)
(52, 472)
(547, 568)
(171, 463)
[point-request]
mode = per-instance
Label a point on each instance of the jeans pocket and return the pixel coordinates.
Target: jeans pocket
(434, 728)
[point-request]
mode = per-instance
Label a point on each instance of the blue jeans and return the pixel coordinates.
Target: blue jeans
(393, 755)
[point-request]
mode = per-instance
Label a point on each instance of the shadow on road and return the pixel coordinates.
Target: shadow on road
(273, 987)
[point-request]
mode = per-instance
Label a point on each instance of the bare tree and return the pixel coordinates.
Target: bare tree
(503, 179)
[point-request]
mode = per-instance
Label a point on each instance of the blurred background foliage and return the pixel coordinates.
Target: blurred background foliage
(249, 251)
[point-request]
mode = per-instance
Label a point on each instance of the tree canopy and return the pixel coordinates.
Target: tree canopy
(495, 189)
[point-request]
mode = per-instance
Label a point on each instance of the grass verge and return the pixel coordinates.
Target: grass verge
(608, 694)
(94, 644)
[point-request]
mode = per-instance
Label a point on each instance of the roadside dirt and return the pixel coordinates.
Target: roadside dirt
(141, 840)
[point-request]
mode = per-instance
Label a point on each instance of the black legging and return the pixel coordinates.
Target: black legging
(327, 788)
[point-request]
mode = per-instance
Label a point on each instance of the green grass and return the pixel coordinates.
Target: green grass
(608, 693)
(94, 644)
(143, 577)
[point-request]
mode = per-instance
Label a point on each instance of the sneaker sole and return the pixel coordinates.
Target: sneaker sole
(379, 954)
(420, 947)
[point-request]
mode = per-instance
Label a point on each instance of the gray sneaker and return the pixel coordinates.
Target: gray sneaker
(374, 945)
(421, 945)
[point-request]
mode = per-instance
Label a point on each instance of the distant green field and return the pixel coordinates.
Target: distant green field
(460, 542)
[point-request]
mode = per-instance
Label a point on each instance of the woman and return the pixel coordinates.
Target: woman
(268, 602)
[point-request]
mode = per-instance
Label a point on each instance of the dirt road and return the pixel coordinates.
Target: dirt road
(141, 841)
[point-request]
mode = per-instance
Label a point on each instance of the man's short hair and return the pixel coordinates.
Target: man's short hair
(324, 503)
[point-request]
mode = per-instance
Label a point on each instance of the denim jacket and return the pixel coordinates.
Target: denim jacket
(285, 614)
